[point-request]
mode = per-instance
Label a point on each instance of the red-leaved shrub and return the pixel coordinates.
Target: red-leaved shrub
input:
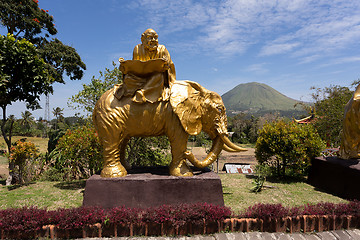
(75, 218)
(24, 219)
(265, 211)
(123, 215)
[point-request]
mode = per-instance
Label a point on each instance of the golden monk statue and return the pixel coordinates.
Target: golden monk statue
(350, 136)
(154, 84)
(150, 102)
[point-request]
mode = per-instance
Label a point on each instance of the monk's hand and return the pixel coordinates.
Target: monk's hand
(166, 65)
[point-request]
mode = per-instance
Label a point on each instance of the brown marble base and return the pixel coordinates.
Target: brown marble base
(337, 176)
(148, 187)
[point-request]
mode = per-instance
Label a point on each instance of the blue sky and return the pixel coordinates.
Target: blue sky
(290, 45)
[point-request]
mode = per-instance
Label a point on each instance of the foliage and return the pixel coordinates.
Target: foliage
(54, 137)
(24, 75)
(29, 67)
(263, 211)
(329, 105)
(26, 121)
(25, 19)
(76, 218)
(246, 127)
(29, 219)
(62, 59)
(24, 219)
(287, 147)
(23, 154)
(86, 98)
(148, 151)
(78, 153)
(180, 214)
(123, 215)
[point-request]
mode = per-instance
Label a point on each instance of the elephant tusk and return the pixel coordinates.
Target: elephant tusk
(230, 145)
(210, 158)
(226, 148)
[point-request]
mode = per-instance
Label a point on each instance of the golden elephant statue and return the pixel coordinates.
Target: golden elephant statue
(350, 135)
(189, 110)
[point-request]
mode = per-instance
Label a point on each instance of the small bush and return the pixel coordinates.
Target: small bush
(288, 147)
(78, 154)
(24, 155)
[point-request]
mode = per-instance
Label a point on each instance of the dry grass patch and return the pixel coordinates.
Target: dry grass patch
(39, 142)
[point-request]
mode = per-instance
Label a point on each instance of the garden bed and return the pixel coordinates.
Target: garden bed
(173, 220)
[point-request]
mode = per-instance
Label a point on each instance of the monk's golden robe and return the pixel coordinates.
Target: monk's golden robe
(148, 87)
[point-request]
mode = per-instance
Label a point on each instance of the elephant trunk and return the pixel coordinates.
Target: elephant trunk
(229, 146)
(215, 150)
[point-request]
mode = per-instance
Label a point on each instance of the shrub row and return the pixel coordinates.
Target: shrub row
(29, 219)
(265, 211)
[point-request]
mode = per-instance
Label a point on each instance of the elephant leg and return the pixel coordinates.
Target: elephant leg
(178, 166)
(123, 161)
(112, 166)
(110, 140)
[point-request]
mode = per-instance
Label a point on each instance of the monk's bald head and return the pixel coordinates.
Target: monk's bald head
(149, 39)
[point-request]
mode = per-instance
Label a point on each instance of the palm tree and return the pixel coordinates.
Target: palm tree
(58, 113)
(26, 120)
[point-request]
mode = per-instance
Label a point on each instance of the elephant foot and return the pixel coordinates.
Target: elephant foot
(111, 171)
(181, 170)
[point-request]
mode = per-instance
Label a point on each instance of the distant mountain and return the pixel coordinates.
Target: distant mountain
(257, 98)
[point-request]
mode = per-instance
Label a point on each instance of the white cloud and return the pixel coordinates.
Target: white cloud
(257, 68)
(302, 28)
(277, 48)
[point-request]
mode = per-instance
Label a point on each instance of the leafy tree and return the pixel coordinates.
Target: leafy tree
(24, 77)
(87, 98)
(329, 111)
(245, 127)
(24, 19)
(287, 147)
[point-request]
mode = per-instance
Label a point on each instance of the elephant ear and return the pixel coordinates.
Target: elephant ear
(186, 102)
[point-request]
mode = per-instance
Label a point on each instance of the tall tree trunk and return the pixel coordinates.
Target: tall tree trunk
(7, 138)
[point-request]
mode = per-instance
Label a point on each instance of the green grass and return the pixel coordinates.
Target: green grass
(236, 189)
(237, 195)
(50, 195)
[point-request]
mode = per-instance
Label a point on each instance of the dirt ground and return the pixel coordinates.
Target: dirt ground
(226, 157)
(4, 171)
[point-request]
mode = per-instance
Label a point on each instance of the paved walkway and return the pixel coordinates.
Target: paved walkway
(338, 234)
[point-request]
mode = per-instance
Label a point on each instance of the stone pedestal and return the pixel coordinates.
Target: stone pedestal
(149, 187)
(336, 176)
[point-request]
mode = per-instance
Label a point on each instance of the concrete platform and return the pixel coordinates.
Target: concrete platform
(336, 176)
(150, 187)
